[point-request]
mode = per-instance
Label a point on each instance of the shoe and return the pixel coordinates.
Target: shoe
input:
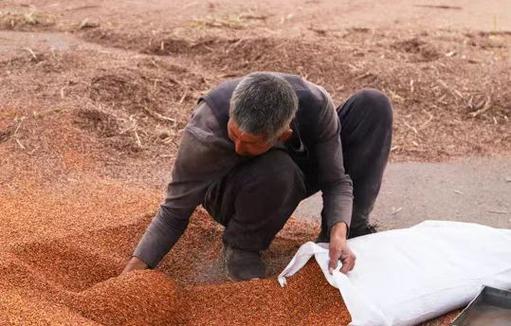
(242, 265)
(363, 230)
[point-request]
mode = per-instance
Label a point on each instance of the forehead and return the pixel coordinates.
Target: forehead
(243, 136)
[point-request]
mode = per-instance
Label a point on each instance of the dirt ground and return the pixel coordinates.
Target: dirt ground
(94, 95)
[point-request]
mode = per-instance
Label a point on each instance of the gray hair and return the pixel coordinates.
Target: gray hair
(263, 103)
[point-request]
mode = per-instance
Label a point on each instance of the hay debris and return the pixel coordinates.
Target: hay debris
(25, 20)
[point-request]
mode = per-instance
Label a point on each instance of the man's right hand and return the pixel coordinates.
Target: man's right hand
(339, 249)
(133, 264)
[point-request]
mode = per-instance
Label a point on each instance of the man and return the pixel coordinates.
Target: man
(258, 145)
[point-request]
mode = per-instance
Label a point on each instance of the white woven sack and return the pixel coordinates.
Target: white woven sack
(407, 276)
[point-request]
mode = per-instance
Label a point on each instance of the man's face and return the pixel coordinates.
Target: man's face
(247, 144)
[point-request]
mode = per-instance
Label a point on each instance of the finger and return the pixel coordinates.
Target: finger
(345, 267)
(332, 264)
(334, 259)
(350, 266)
(353, 262)
(348, 263)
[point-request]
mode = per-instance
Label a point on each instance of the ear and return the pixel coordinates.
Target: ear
(286, 135)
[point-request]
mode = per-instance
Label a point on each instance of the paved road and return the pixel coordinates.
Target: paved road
(471, 190)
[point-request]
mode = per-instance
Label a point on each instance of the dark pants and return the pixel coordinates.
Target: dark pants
(256, 198)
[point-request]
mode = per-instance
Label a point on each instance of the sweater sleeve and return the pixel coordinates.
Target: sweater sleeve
(203, 157)
(335, 184)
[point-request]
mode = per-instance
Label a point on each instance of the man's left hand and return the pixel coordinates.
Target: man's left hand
(339, 249)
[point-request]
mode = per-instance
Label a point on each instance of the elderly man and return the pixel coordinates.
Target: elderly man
(258, 145)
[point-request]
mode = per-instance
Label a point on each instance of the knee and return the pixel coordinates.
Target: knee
(275, 168)
(377, 104)
(276, 164)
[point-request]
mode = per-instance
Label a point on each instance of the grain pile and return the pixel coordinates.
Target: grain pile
(307, 300)
(76, 276)
(142, 297)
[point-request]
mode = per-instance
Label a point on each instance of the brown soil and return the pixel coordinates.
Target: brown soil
(95, 95)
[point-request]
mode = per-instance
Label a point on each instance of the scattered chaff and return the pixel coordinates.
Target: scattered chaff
(240, 21)
(182, 99)
(32, 53)
(397, 210)
(86, 23)
(20, 144)
(252, 16)
(354, 68)
(15, 133)
(494, 211)
(359, 30)
(134, 127)
(366, 75)
(31, 18)
(458, 93)
(12, 132)
(422, 126)
(166, 156)
(40, 114)
(441, 99)
(231, 23)
(83, 7)
(483, 109)
(474, 61)
(158, 116)
(454, 92)
(318, 31)
(470, 102)
(20, 121)
(287, 18)
(24, 20)
(396, 97)
(137, 138)
(440, 7)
